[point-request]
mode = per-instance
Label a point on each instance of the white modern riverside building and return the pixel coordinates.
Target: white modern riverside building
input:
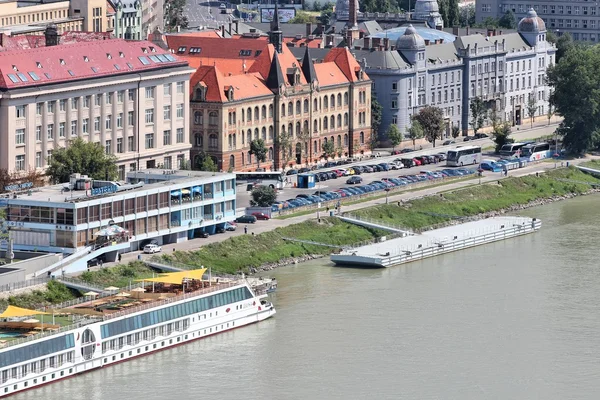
(101, 217)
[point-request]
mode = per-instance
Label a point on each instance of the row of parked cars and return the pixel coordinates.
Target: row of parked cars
(385, 183)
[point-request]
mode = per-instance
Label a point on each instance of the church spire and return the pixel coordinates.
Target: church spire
(308, 68)
(275, 78)
(275, 34)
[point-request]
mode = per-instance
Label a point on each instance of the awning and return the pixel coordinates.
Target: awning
(12, 311)
(197, 189)
(176, 193)
(112, 230)
(185, 192)
(176, 278)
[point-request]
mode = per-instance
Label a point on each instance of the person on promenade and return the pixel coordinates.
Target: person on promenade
(245, 230)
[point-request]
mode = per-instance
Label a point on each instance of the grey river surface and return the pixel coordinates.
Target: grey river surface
(517, 319)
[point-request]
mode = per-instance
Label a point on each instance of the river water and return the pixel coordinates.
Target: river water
(517, 319)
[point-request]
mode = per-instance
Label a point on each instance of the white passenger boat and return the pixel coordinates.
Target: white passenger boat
(113, 333)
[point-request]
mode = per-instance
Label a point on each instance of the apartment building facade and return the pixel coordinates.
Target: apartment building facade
(129, 96)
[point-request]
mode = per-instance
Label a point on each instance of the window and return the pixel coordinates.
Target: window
(394, 86)
(74, 103)
(180, 136)
(86, 101)
(38, 133)
(50, 131)
(109, 97)
(167, 89)
(20, 111)
(50, 107)
(97, 124)
(150, 92)
(85, 125)
(20, 136)
(73, 128)
(394, 104)
(108, 146)
(98, 100)
(166, 138)
(109, 122)
(149, 140)
(119, 120)
(38, 159)
(38, 108)
(131, 94)
(120, 96)
(130, 143)
(130, 118)
(150, 116)
(62, 105)
(20, 163)
(167, 113)
(179, 110)
(180, 87)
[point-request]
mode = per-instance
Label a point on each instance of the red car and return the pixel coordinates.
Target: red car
(261, 216)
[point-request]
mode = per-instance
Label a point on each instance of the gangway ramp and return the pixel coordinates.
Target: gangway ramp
(370, 223)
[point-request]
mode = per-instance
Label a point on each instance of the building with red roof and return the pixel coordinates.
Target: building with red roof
(255, 89)
(132, 97)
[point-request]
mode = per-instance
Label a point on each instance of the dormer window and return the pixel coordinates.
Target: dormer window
(39, 64)
(121, 54)
(144, 50)
(85, 59)
(152, 49)
(108, 56)
(181, 49)
(230, 94)
(14, 67)
(62, 62)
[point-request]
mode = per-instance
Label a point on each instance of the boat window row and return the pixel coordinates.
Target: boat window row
(37, 367)
(36, 350)
(147, 335)
(160, 316)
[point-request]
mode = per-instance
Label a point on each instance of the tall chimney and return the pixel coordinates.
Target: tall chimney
(455, 30)
(367, 43)
(468, 31)
(51, 35)
(309, 29)
(353, 14)
(386, 43)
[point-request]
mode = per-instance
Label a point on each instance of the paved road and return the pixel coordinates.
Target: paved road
(205, 13)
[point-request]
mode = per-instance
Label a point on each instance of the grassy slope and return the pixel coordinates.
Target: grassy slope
(56, 293)
(118, 276)
(479, 199)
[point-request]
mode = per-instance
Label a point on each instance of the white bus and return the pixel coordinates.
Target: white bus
(465, 155)
(275, 180)
(512, 150)
(536, 151)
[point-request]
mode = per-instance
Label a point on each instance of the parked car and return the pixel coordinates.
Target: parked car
(406, 151)
(152, 248)
(246, 219)
(292, 172)
(408, 162)
(442, 156)
(467, 138)
(261, 216)
(96, 261)
(448, 142)
(230, 226)
(480, 136)
(303, 170)
(353, 180)
(203, 235)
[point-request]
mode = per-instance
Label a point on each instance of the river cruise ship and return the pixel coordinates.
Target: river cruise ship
(120, 326)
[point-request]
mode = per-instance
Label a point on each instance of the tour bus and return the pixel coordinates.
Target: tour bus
(465, 155)
(536, 151)
(511, 150)
(272, 179)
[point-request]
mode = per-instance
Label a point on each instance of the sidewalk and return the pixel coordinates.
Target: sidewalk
(266, 226)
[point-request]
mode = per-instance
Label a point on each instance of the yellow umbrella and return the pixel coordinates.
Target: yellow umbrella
(12, 311)
(111, 288)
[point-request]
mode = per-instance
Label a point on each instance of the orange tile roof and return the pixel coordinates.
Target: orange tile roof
(346, 61)
(304, 42)
(329, 74)
(212, 79)
(245, 86)
(226, 67)
(262, 65)
(216, 47)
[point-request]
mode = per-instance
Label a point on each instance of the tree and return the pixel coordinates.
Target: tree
(500, 134)
(455, 131)
(328, 148)
(285, 142)
(259, 151)
(508, 20)
(263, 196)
(304, 137)
(302, 17)
(208, 164)
(576, 98)
(394, 135)
(478, 114)
(453, 13)
(563, 44)
(531, 107)
(550, 113)
(467, 16)
(443, 7)
(316, 6)
(432, 120)
(86, 158)
(489, 22)
(415, 132)
(376, 112)
(325, 17)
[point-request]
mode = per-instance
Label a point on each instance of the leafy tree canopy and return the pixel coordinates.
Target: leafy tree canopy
(258, 150)
(415, 132)
(432, 120)
(328, 148)
(508, 20)
(263, 196)
(478, 113)
(394, 135)
(86, 158)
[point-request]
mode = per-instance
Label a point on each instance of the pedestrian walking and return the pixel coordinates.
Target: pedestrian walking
(245, 230)
(120, 256)
(100, 263)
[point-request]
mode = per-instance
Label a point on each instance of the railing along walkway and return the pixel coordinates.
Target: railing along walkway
(354, 219)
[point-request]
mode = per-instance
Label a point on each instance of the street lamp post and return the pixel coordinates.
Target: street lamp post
(387, 191)
(480, 171)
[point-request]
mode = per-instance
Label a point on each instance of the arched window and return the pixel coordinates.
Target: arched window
(324, 140)
(271, 133)
(255, 133)
(243, 115)
(290, 109)
(345, 119)
(332, 101)
(339, 141)
(213, 142)
(298, 129)
(263, 112)
(249, 115)
(232, 161)
(270, 153)
(291, 129)
(234, 141)
(346, 98)
(306, 126)
(362, 138)
(213, 118)
(332, 122)
(249, 137)
(198, 140)
(339, 97)
(249, 159)
(346, 140)
(263, 133)
(305, 105)
(305, 147)
(298, 109)
(325, 123)
(243, 159)
(283, 110)
(325, 102)
(332, 140)
(315, 147)
(198, 118)
(315, 108)
(230, 141)
(256, 116)
(199, 95)
(270, 110)
(315, 126)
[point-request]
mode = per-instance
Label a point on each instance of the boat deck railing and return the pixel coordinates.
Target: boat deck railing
(48, 333)
(154, 304)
